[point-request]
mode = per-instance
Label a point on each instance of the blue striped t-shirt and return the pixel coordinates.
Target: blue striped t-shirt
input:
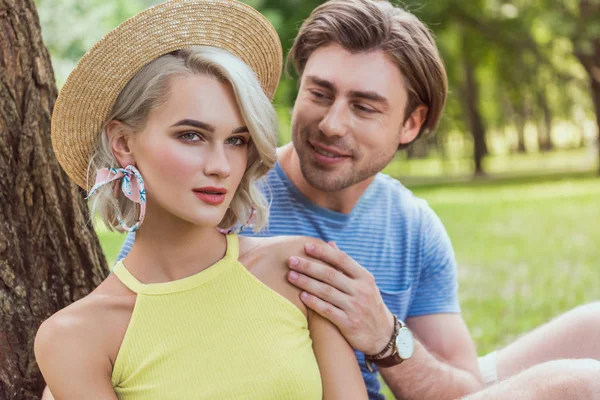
(390, 232)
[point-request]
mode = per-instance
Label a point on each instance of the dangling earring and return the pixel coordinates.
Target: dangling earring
(132, 186)
(238, 230)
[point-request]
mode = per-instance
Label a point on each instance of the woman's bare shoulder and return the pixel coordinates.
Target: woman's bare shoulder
(94, 325)
(267, 259)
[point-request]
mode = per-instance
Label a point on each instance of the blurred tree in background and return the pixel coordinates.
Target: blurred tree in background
(524, 75)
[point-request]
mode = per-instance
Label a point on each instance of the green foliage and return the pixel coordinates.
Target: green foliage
(525, 53)
(71, 27)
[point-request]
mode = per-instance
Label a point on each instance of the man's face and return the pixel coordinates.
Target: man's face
(348, 119)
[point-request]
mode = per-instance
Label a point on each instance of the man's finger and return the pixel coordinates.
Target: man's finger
(321, 272)
(334, 257)
(322, 290)
(324, 309)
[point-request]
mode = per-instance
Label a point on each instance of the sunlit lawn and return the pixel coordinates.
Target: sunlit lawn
(527, 249)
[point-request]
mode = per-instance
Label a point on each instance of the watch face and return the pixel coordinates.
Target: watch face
(405, 343)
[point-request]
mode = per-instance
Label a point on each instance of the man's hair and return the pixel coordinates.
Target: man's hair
(367, 25)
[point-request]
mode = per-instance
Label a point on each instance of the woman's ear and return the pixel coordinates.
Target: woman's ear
(120, 140)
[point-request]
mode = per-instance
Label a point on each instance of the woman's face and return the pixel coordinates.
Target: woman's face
(193, 151)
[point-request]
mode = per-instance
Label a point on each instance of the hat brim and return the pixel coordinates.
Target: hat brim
(89, 94)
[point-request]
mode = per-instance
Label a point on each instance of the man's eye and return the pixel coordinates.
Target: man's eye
(318, 95)
(363, 108)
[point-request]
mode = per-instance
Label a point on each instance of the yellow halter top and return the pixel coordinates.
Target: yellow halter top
(219, 334)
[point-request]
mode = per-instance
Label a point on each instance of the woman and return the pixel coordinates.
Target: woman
(170, 121)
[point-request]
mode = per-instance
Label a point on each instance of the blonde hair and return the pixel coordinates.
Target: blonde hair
(149, 89)
(366, 25)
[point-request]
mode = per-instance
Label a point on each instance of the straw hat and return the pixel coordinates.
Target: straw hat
(91, 90)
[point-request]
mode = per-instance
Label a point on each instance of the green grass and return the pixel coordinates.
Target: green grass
(526, 247)
(526, 250)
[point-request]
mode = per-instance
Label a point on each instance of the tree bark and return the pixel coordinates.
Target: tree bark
(589, 54)
(49, 253)
(470, 100)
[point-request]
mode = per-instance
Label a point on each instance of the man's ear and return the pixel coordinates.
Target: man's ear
(120, 140)
(412, 125)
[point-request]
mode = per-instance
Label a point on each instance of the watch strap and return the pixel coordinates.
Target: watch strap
(375, 359)
(389, 361)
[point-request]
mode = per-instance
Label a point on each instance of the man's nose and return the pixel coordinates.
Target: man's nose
(336, 120)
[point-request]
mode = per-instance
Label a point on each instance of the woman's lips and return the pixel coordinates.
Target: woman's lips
(210, 198)
(211, 195)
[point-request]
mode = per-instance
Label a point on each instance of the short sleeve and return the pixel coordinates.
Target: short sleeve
(437, 287)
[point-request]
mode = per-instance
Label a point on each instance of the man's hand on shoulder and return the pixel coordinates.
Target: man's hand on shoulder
(344, 292)
(266, 258)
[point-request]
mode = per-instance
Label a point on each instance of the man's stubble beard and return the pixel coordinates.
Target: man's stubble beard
(326, 180)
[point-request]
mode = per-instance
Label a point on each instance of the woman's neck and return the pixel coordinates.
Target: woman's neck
(168, 249)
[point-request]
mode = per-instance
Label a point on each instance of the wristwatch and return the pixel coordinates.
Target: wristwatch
(402, 343)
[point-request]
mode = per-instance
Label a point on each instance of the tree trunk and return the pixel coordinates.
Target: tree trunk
(516, 112)
(544, 125)
(49, 253)
(595, 87)
(589, 55)
(592, 66)
(440, 145)
(521, 118)
(418, 149)
(470, 100)
(520, 126)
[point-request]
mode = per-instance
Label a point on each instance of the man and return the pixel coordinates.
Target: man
(371, 82)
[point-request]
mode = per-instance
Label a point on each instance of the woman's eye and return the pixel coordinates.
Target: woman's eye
(237, 141)
(190, 137)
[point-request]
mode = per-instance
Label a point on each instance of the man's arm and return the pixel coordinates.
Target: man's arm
(444, 363)
(554, 380)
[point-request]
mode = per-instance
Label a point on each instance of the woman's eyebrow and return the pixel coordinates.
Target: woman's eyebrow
(241, 129)
(207, 127)
(195, 124)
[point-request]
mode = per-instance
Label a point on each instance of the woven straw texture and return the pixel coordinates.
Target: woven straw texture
(90, 91)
